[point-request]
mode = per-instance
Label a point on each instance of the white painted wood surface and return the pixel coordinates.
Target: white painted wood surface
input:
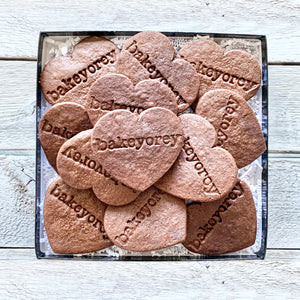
(17, 109)
(31, 279)
(22, 276)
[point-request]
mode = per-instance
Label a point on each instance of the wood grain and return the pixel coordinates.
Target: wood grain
(24, 277)
(17, 106)
(17, 213)
(21, 21)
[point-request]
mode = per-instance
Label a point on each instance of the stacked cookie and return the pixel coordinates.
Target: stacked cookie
(136, 168)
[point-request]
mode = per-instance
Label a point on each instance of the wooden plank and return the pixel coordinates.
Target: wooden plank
(284, 200)
(17, 209)
(17, 200)
(17, 106)
(275, 278)
(20, 21)
(284, 108)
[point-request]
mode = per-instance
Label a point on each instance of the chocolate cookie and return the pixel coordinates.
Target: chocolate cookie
(237, 127)
(79, 168)
(116, 91)
(74, 220)
(138, 149)
(222, 226)
(155, 220)
(234, 70)
(201, 173)
(151, 55)
(60, 123)
(69, 78)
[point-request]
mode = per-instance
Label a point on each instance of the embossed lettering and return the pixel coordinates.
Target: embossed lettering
(216, 218)
(142, 214)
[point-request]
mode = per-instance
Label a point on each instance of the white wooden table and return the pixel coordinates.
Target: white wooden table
(22, 276)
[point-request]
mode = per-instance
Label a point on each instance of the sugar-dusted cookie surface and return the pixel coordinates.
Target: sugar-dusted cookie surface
(138, 149)
(238, 130)
(201, 172)
(151, 55)
(155, 220)
(74, 219)
(222, 226)
(68, 79)
(79, 167)
(60, 123)
(234, 70)
(116, 91)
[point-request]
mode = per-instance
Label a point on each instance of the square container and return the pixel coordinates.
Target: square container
(52, 44)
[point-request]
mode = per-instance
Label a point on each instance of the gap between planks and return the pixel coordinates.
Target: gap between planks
(270, 63)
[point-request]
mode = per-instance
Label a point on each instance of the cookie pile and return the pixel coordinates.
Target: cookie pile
(128, 158)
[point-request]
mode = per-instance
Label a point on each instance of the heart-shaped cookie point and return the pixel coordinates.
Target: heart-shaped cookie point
(115, 91)
(60, 123)
(222, 226)
(74, 220)
(237, 127)
(68, 79)
(138, 149)
(234, 70)
(151, 55)
(200, 173)
(155, 220)
(79, 167)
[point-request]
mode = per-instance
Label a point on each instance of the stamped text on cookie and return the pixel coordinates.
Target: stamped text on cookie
(61, 131)
(81, 76)
(171, 140)
(227, 117)
(144, 60)
(81, 212)
(143, 213)
(191, 156)
(112, 105)
(216, 218)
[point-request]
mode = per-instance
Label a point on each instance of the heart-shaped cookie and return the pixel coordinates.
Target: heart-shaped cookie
(69, 78)
(237, 127)
(222, 226)
(138, 149)
(60, 123)
(200, 173)
(74, 219)
(234, 70)
(155, 220)
(79, 167)
(116, 91)
(151, 55)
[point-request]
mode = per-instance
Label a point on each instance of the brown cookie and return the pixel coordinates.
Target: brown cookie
(201, 173)
(237, 127)
(69, 78)
(115, 91)
(155, 220)
(60, 123)
(79, 168)
(234, 70)
(74, 220)
(138, 149)
(222, 226)
(151, 55)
